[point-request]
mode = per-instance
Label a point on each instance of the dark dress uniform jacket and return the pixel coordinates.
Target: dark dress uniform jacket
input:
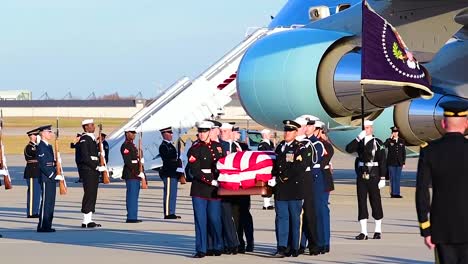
(105, 146)
(396, 152)
(32, 165)
(130, 156)
(328, 177)
(168, 154)
(444, 163)
(45, 156)
(202, 159)
(289, 170)
(88, 154)
(370, 152)
(264, 146)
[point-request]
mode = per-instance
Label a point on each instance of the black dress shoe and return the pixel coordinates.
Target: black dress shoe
(199, 255)
(314, 251)
(209, 253)
(295, 253)
(90, 225)
(1, 236)
(133, 221)
(33, 216)
(361, 237)
(241, 249)
(271, 207)
(377, 235)
(217, 253)
(45, 230)
(249, 248)
(327, 249)
(279, 254)
(172, 216)
(234, 250)
(301, 250)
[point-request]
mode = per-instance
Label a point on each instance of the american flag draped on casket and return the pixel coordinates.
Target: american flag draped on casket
(245, 169)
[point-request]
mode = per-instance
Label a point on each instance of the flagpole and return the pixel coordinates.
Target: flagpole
(362, 106)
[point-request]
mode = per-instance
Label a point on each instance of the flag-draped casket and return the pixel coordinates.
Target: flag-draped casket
(245, 172)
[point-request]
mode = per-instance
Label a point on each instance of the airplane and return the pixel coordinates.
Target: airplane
(307, 61)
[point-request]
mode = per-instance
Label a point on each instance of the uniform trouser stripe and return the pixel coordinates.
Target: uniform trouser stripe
(43, 203)
(31, 195)
(300, 226)
(168, 194)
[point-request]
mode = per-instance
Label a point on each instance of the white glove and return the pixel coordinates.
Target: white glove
(272, 182)
(180, 170)
(362, 135)
(381, 184)
(141, 175)
(101, 168)
(142, 160)
(3, 172)
(214, 183)
(103, 154)
(59, 178)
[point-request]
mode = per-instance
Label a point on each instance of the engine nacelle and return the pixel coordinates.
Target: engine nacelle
(420, 120)
(309, 71)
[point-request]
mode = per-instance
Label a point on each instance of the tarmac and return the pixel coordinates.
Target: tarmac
(156, 240)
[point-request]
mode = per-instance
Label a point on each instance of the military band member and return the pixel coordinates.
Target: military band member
(443, 164)
(266, 145)
(396, 158)
(288, 171)
(169, 173)
(89, 171)
(32, 175)
(46, 159)
(131, 174)
(371, 171)
(202, 158)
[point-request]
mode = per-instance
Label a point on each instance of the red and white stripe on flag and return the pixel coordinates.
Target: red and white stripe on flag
(244, 169)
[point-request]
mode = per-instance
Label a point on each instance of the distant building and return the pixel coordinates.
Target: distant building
(15, 95)
(72, 108)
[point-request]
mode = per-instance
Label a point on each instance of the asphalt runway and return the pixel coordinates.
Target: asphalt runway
(162, 241)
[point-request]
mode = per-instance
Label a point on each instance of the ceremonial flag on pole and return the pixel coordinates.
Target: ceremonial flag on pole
(385, 57)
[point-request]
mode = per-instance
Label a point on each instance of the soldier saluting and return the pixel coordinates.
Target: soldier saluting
(443, 163)
(89, 171)
(371, 171)
(32, 175)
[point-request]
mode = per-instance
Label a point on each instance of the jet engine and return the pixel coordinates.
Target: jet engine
(310, 71)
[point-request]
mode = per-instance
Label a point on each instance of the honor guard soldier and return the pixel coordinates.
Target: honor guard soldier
(169, 173)
(32, 175)
(105, 146)
(202, 158)
(89, 171)
(288, 172)
(46, 159)
(371, 171)
(266, 145)
(131, 174)
(396, 158)
(443, 164)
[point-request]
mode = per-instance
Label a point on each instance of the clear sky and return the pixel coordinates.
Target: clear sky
(124, 46)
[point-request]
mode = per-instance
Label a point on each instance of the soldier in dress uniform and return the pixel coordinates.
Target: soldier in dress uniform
(241, 211)
(229, 223)
(89, 171)
(105, 146)
(266, 145)
(131, 174)
(75, 145)
(202, 158)
(326, 164)
(46, 159)
(169, 173)
(32, 175)
(371, 171)
(396, 158)
(288, 171)
(443, 164)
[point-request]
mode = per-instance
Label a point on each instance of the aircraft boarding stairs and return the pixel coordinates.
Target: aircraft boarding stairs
(182, 105)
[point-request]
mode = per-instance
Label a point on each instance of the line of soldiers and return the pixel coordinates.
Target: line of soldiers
(41, 174)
